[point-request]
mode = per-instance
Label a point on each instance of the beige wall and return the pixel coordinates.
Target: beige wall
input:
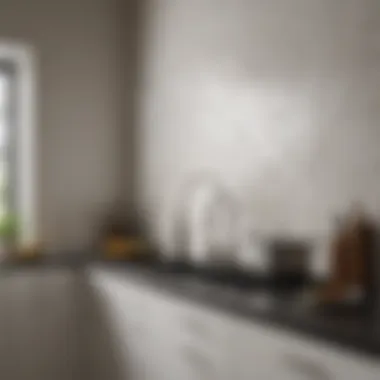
(81, 110)
(279, 97)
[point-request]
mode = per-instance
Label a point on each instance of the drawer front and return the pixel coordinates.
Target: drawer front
(189, 322)
(196, 363)
(191, 341)
(265, 352)
(166, 316)
(308, 360)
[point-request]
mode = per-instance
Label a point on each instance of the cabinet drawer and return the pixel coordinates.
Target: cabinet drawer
(310, 360)
(265, 352)
(195, 362)
(188, 319)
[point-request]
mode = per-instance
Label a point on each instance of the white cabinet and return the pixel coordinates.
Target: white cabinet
(166, 338)
(266, 353)
(160, 337)
(123, 322)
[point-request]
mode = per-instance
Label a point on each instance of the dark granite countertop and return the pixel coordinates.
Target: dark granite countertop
(261, 304)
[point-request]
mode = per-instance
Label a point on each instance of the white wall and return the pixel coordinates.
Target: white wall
(279, 97)
(80, 79)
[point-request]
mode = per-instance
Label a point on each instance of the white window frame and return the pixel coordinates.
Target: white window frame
(24, 59)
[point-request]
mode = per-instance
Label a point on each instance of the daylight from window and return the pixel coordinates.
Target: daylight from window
(3, 143)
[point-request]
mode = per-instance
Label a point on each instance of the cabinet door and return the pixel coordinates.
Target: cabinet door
(108, 343)
(301, 358)
(164, 337)
(121, 322)
(265, 353)
(193, 340)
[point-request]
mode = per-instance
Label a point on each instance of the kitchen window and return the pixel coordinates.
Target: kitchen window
(17, 145)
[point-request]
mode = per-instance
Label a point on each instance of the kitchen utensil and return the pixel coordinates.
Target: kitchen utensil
(206, 222)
